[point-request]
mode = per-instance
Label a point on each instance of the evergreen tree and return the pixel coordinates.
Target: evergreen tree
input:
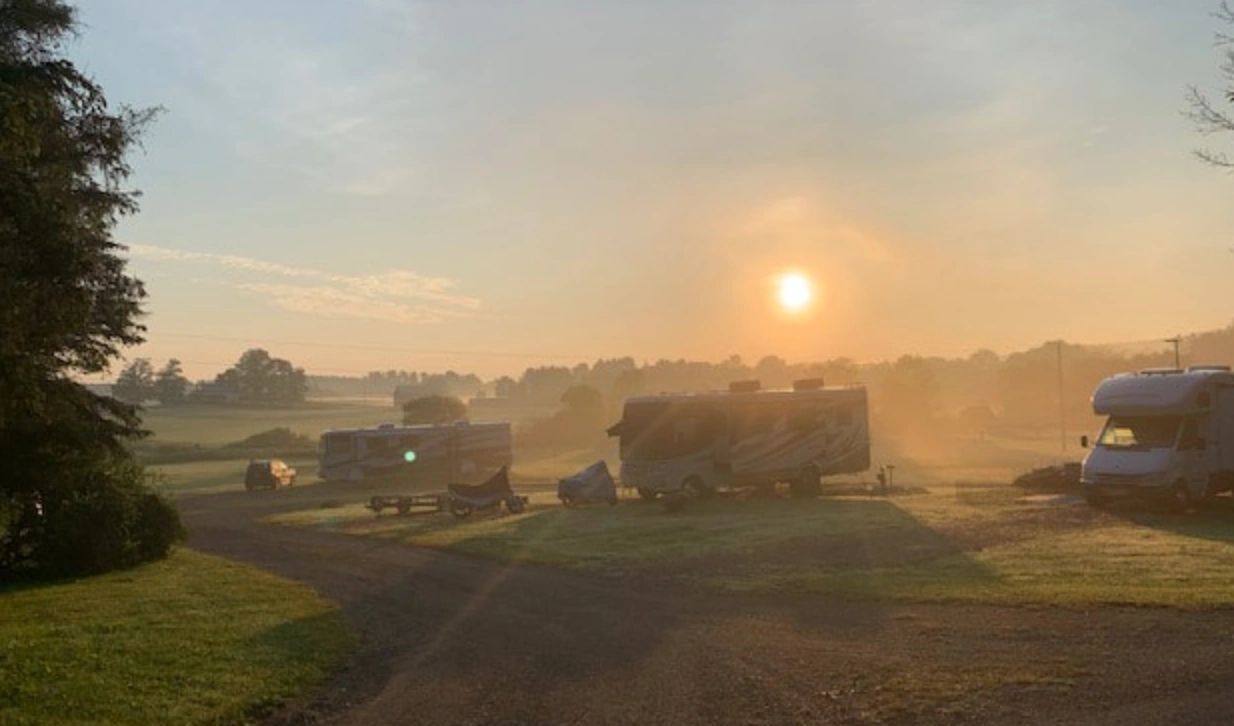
(71, 497)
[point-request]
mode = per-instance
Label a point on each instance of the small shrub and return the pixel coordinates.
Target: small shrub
(434, 410)
(105, 517)
(281, 438)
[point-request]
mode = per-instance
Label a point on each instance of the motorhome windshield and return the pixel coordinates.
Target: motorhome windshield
(1140, 432)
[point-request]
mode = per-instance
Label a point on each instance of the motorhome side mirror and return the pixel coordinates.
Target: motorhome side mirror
(1084, 441)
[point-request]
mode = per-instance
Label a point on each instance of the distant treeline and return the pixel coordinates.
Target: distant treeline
(256, 378)
(973, 394)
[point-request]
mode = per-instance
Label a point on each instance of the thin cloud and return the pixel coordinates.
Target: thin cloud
(400, 296)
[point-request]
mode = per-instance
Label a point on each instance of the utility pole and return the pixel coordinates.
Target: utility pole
(1062, 408)
(1175, 340)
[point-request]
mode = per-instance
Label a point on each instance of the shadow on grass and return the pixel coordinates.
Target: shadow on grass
(865, 545)
(1212, 519)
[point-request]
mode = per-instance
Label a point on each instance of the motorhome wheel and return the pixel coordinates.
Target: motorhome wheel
(807, 483)
(1183, 501)
(694, 486)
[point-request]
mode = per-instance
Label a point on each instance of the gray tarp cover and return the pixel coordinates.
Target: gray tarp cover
(593, 484)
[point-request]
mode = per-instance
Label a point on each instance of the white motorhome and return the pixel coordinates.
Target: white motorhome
(745, 437)
(1170, 432)
(458, 453)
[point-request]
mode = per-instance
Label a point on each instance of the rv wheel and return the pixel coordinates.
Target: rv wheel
(807, 484)
(1182, 497)
(695, 487)
(460, 510)
(647, 494)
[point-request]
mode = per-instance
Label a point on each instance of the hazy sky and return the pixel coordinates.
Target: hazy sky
(390, 184)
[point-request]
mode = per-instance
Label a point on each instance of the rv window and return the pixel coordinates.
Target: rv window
(1140, 432)
(1189, 438)
(340, 447)
(685, 430)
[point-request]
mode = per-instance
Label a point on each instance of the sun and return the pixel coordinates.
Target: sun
(794, 292)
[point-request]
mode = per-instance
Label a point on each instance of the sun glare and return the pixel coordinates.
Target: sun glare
(794, 292)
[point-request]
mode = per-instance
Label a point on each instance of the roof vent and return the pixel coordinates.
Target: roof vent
(1218, 369)
(808, 384)
(1160, 371)
(386, 426)
(744, 386)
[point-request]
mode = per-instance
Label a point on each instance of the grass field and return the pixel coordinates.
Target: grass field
(974, 544)
(192, 639)
(217, 425)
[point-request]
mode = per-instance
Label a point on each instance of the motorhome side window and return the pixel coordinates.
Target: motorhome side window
(1189, 438)
(340, 447)
(1140, 432)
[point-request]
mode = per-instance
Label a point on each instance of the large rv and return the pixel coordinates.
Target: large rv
(1170, 432)
(459, 453)
(745, 437)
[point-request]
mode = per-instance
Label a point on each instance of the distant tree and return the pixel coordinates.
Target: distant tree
(505, 387)
(772, 371)
(135, 384)
(434, 410)
(544, 385)
(976, 419)
(170, 385)
(1209, 117)
(260, 378)
(909, 392)
(629, 383)
(72, 497)
(584, 405)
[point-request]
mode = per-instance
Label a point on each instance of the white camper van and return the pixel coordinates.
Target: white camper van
(745, 437)
(1170, 432)
(458, 453)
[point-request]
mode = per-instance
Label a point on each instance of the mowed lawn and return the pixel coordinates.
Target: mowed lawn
(971, 544)
(192, 639)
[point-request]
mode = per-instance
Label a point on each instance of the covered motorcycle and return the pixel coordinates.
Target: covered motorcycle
(593, 484)
(467, 498)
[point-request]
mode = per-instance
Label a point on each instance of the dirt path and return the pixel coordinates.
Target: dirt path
(450, 639)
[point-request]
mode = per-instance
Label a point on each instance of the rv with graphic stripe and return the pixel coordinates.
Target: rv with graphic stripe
(457, 453)
(700, 443)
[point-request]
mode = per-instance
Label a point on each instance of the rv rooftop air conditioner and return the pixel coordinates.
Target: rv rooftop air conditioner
(744, 386)
(808, 384)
